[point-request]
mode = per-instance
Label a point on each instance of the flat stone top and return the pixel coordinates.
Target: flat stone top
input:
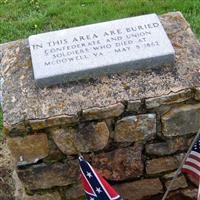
(102, 48)
(24, 101)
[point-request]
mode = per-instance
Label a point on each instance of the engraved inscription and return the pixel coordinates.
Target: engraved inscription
(98, 45)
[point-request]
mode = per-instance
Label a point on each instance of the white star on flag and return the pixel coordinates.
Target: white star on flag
(89, 175)
(95, 186)
(98, 190)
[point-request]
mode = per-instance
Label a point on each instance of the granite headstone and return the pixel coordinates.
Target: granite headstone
(108, 47)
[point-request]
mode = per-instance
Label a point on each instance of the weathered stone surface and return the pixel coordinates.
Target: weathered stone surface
(55, 153)
(20, 192)
(191, 193)
(103, 113)
(180, 157)
(86, 138)
(159, 165)
(120, 164)
(197, 94)
(15, 130)
(181, 120)
(166, 148)
(171, 98)
(169, 175)
(134, 106)
(184, 194)
(179, 144)
(140, 189)
(23, 101)
(49, 196)
(48, 176)
(6, 183)
(158, 149)
(193, 180)
(3, 48)
(136, 128)
(74, 192)
(53, 121)
(180, 182)
(29, 149)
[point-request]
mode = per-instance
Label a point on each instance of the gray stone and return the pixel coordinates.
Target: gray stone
(108, 47)
(38, 124)
(48, 176)
(179, 183)
(193, 179)
(181, 120)
(120, 164)
(134, 106)
(159, 165)
(29, 149)
(180, 157)
(169, 175)
(75, 192)
(86, 138)
(49, 196)
(197, 94)
(183, 194)
(140, 189)
(192, 193)
(136, 128)
(104, 112)
(169, 147)
(172, 98)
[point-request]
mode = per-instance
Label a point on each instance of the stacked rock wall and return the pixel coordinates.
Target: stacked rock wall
(135, 145)
(134, 127)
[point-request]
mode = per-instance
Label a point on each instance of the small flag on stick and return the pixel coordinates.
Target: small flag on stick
(192, 163)
(95, 186)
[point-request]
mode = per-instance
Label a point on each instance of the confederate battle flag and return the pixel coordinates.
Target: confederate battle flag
(95, 186)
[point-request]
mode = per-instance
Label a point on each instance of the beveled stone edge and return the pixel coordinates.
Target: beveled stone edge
(28, 125)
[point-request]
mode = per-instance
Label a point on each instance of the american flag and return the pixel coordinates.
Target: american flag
(192, 162)
(95, 186)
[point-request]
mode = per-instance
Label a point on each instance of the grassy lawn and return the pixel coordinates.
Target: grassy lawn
(21, 18)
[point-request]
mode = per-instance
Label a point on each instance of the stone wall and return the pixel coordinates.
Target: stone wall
(134, 128)
(137, 146)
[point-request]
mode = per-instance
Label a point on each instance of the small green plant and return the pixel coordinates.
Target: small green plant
(35, 3)
(3, 1)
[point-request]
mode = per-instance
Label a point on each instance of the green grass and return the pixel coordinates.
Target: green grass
(21, 18)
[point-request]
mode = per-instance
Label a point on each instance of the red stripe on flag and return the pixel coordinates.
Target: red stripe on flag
(112, 193)
(196, 176)
(194, 157)
(192, 165)
(87, 187)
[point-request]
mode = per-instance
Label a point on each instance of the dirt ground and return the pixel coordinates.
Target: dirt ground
(6, 181)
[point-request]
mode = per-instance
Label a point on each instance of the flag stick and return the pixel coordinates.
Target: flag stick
(180, 167)
(198, 198)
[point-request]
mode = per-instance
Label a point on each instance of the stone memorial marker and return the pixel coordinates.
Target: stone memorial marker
(98, 118)
(107, 47)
